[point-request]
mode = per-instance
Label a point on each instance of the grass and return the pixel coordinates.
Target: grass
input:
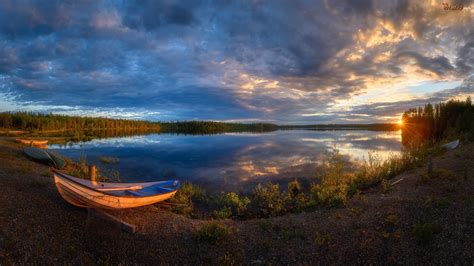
(185, 198)
(425, 232)
(108, 160)
(213, 232)
(386, 186)
(321, 239)
(80, 169)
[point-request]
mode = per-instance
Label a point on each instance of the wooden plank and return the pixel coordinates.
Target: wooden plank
(124, 226)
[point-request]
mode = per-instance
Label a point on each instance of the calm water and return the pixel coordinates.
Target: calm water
(231, 162)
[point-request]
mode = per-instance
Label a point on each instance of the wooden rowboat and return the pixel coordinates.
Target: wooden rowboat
(104, 195)
(32, 142)
(45, 156)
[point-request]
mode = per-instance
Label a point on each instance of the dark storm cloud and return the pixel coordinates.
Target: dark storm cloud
(223, 59)
(439, 64)
(149, 14)
(465, 60)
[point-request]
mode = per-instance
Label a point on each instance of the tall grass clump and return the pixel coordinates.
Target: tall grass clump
(80, 169)
(374, 171)
(108, 160)
(186, 197)
(213, 232)
(341, 179)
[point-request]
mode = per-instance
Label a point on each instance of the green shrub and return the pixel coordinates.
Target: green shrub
(235, 203)
(329, 195)
(335, 181)
(213, 232)
(223, 213)
(185, 198)
(269, 200)
(303, 202)
(294, 188)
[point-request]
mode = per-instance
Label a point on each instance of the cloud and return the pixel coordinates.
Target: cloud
(252, 60)
(439, 65)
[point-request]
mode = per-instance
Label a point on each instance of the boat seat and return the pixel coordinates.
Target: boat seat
(148, 191)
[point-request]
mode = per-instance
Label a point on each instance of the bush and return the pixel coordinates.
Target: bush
(223, 213)
(269, 200)
(185, 198)
(329, 195)
(213, 232)
(294, 188)
(335, 181)
(303, 202)
(236, 204)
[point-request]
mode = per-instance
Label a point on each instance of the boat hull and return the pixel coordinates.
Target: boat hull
(32, 142)
(81, 196)
(45, 157)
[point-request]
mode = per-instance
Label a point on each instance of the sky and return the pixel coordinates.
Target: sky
(284, 62)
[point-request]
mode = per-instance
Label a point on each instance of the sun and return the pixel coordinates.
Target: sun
(400, 122)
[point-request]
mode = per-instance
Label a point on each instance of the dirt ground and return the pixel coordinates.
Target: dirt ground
(422, 219)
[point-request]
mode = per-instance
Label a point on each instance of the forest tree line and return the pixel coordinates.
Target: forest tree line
(211, 127)
(37, 122)
(432, 123)
(49, 122)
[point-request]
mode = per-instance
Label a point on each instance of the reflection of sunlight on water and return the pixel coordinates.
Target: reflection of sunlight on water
(395, 135)
(361, 138)
(320, 140)
(359, 154)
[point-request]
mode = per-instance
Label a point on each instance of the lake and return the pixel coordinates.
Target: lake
(232, 161)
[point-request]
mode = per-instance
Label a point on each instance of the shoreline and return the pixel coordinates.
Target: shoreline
(38, 225)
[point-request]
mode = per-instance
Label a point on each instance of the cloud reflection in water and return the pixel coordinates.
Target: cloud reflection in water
(232, 161)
